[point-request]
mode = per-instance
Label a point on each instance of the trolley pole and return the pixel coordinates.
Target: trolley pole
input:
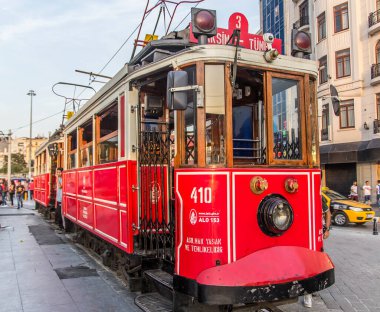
(31, 93)
(9, 157)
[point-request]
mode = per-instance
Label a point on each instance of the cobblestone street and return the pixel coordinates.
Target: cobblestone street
(32, 279)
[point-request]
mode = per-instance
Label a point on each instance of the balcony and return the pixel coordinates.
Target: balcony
(374, 22)
(324, 134)
(375, 74)
(303, 21)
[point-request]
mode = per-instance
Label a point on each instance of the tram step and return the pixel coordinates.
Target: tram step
(161, 281)
(153, 302)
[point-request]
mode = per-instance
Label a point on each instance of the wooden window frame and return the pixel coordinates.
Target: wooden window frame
(344, 105)
(82, 146)
(321, 20)
(268, 104)
(338, 10)
(343, 56)
(378, 105)
(323, 62)
(98, 138)
(70, 151)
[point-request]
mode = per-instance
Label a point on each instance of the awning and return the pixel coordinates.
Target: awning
(366, 151)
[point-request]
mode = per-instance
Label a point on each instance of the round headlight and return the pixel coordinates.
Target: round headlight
(275, 215)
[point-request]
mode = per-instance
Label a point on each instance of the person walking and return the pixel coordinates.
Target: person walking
(26, 189)
(378, 193)
(11, 191)
(59, 218)
(354, 191)
(20, 189)
(367, 192)
(326, 223)
(4, 193)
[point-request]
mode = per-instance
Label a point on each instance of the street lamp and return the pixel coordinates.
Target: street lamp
(31, 94)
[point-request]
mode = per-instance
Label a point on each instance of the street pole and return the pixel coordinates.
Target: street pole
(31, 94)
(9, 157)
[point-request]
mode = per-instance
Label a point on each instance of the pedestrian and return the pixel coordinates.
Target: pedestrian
(11, 191)
(354, 191)
(31, 189)
(20, 189)
(26, 189)
(326, 222)
(367, 192)
(378, 193)
(59, 218)
(1, 192)
(4, 193)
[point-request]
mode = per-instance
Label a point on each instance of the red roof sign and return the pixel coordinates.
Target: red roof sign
(247, 40)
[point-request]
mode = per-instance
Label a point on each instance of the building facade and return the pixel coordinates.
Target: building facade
(346, 44)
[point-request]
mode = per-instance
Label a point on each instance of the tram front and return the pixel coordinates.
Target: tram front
(246, 179)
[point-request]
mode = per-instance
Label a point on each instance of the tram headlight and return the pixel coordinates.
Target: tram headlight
(275, 215)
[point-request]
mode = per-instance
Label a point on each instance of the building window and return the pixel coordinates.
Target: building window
(378, 105)
(341, 17)
(343, 65)
(347, 114)
(323, 76)
(107, 134)
(321, 26)
(325, 122)
(377, 52)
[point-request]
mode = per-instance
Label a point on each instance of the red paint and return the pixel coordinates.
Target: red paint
(247, 40)
(42, 189)
(97, 199)
(122, 126)
(267, 267)
(237, 232)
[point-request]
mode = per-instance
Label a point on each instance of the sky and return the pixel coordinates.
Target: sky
(43, 42)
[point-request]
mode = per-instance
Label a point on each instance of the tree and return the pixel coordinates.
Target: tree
(18, 164)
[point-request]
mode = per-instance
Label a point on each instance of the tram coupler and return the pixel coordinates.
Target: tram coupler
(375, 232)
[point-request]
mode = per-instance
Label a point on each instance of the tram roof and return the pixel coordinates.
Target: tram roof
(140, 68)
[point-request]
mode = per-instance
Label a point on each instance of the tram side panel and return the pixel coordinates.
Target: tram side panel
(42, 189)
(100, 199)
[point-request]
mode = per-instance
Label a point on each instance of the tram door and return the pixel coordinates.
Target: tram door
(155, 177)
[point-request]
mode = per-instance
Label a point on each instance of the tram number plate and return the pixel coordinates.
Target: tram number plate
(369, 215)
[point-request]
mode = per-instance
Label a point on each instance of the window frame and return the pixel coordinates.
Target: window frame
(344, 108)
(378, 105)
(342, 57)
(338, 10)
(100, 139)
(321, 21)
(323, 62)
(271, 161)
(72, 151)
(85, 145)
(377, 52)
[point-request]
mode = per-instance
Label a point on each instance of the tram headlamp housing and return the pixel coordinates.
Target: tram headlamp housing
(275, 215)
(203, 24)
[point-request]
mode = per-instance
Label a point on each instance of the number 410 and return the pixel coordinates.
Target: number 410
(204, 194)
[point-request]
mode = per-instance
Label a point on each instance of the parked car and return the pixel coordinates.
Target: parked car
(345, 210)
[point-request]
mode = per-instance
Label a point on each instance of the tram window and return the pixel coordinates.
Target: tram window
(71, 150)
(286, 119)
(107, 144)
(248, 118)
(86, 146)
(190, 122)
(215, 114)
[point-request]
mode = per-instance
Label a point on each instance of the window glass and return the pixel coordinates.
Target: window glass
(341, 17)
(248, 118)
(343, 63)
(321, 26)
(378, 105)
(72, 150)
(377, 52)
(191, 121)
(286, 119)
(107, 147)
(347, 114)
(323, 76)
(215, 114)
(86, 146)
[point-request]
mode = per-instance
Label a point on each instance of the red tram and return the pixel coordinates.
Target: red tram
(195, 171)
(48, 157)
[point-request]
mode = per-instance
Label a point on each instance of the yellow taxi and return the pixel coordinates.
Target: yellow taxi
(344, 210)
